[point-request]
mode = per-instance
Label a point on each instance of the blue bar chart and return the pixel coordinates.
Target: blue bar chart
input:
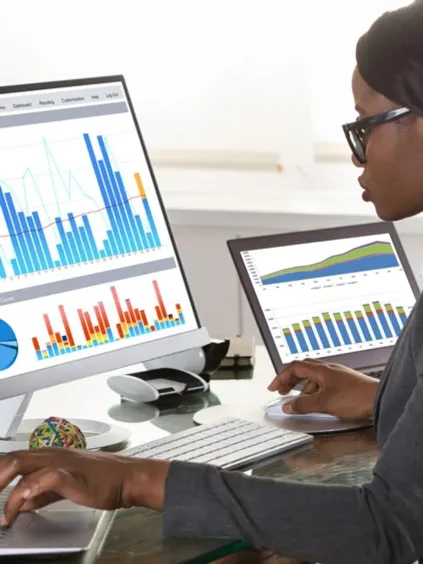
(290, 341)
(131, 225)
(342, 328)
(393, 319)
(299, 335)
(331, 330)
(317, 322)
(352, 325)
(370, 323)
(383, 319)
(311, 335)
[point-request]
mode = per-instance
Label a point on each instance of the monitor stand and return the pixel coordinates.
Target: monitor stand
(15, 431)
(165, 376)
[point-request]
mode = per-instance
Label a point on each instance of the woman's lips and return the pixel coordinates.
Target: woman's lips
(366, 194)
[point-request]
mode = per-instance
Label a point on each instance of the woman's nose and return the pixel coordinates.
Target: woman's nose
(356, 162)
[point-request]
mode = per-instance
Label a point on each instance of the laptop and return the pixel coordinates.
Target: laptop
(341, 294)
(61, 528)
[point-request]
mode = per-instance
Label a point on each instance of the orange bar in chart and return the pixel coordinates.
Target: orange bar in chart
(100, 320)
(48, 326)
(131, 311)
(160, 299)
(104, 315)
(140, 185)
(36, 344)
(66, 326)
(84, 326)
(117, 304)
(120, 331)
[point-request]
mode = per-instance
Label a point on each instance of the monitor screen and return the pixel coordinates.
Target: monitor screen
(87, 260)
(332, 297)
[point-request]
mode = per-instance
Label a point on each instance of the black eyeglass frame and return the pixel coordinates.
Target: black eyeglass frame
(356, 131)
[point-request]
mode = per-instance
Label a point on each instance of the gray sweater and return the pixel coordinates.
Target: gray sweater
(380, 522)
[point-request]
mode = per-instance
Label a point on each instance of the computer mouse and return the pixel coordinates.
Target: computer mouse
(274, 410)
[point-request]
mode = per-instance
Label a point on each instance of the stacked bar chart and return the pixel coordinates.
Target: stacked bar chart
(131, 227)
(376, 255)
(98, 330)
(372, 322)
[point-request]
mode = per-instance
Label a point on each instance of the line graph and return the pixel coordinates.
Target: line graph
(59, 181)
(125, 222)
(65, 220)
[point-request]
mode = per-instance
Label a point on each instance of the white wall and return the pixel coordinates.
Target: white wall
(331, 47)
(204, 75)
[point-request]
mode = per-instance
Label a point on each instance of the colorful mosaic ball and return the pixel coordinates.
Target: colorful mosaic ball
(57, 432)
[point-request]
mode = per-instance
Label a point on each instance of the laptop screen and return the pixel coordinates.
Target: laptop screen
(332, 297)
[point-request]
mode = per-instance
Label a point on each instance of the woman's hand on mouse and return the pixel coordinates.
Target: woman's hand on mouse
(328, 388)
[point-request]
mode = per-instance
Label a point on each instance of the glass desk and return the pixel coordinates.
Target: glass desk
(136, 534)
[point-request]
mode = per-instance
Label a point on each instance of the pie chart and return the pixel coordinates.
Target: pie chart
(8, 346)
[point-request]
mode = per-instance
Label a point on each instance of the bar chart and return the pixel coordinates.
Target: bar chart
(72, 239)
(375, 255)
(96, 328)
(370, 323)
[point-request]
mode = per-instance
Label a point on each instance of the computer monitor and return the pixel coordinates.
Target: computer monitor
(90, 277)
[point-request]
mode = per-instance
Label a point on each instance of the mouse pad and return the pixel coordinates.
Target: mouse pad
(304, 424)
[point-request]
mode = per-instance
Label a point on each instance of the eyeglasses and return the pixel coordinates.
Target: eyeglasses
(358, 131)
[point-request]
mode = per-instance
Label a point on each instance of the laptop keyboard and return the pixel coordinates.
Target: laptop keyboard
(229, 444)
(3, 498)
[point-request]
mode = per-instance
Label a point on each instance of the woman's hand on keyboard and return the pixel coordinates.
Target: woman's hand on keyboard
(328, 388)
(98, 480)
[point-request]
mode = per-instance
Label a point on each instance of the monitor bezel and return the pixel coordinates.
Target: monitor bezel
(357, 360)
(132, 354)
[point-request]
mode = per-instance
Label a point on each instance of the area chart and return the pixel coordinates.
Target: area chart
(376, 255)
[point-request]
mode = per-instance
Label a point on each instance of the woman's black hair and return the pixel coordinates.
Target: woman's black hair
(390, 56)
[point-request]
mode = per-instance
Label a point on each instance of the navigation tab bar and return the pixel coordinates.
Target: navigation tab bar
(55, 99)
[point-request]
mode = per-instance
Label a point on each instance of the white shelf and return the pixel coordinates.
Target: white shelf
(289, 200)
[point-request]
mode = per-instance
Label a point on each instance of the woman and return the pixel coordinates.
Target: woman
(380, 522)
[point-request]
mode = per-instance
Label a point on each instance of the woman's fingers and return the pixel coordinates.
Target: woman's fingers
(40, 486)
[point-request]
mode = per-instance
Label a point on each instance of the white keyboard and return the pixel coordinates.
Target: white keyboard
(230, 444)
